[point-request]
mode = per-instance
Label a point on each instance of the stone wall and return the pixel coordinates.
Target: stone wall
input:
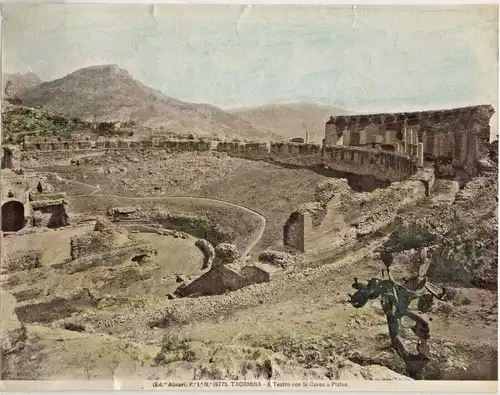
(14, 187)
(217, 281)
(297, 229)
(11, 157)
(383, 165)
(105, 237)
(196, 225)
(296, 154)
(255, 275)
(50, 214)
(22, 260)
(357, 160)
(208, 252)
(252, 150)
(114, 257)
(459, 134)
(68, 144)
(363, 129)
(222, 279)
(349, 215)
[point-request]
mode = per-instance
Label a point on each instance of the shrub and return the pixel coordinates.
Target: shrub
(174, 349)
(171, 343)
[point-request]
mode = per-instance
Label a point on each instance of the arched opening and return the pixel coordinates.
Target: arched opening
(12, 216)
(388, 147)
(7, 159)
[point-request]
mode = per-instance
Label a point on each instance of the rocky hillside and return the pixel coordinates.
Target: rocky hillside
(292, 119)
(20, 121)
(17, 82)
(108, 93)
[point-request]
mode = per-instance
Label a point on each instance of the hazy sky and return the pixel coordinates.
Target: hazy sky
(370, 58)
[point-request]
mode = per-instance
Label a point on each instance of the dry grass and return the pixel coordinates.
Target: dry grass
(54, 245)
(174, 255)
(272, 190)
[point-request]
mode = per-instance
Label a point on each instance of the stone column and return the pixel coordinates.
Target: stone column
(409, 143)
(405, 140)
(330, 134)
(420, 154)
(436, 144)
(346, 137)
(472, 154)
(409, 151)
(414, 142)
(424, 142)
(463, 147)
(451, 138)
(362, 137)
(387, 137)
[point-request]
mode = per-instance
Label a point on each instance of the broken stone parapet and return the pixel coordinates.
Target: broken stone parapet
(208, 252)
(225, 254)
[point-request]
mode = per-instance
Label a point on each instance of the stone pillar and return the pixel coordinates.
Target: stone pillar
(415, 143)
(451, 144)
(472, 153)
(409, 136)
(330, 134)
(297, 232)
(405, 140)
(424, 142)
(307, 137)
(436, 144)
(308, 232)
(346, 137)
(387, 137)
(420, 154)
(362, 137)
(463, 147)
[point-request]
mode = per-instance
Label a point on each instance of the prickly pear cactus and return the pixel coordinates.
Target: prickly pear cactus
(395, 299)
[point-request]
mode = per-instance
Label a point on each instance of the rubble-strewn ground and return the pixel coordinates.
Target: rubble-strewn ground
(252, 184)
(115, 319)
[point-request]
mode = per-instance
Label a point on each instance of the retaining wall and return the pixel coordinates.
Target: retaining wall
(254, 150)
(384, 165)
(347, 215)
(296, 154)
(50, 144)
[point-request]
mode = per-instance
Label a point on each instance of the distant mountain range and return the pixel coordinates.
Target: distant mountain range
(291, 120)
(109, 93)
(17, 82)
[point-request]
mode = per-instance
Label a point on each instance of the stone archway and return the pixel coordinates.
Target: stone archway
(12, 216)
(7, 158)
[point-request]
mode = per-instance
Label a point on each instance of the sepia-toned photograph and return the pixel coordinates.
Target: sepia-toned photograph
(230, 196)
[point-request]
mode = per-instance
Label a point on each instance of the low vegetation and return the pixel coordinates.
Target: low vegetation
(174, 349)
(18, 122)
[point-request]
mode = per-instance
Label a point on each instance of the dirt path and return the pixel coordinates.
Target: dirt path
(252, 243)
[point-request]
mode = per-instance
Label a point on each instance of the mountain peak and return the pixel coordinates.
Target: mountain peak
(107, 92)
(103, 70)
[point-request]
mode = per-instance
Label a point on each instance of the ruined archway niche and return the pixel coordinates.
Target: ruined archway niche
(7, 158)
(12, 216)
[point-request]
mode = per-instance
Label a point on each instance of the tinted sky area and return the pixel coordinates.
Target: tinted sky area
(367, 58)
